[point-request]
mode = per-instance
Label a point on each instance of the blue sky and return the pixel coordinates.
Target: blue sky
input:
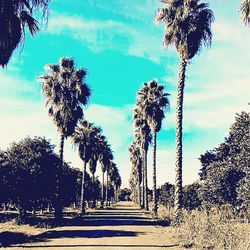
(121, 47)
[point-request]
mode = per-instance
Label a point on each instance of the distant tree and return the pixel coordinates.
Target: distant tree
(66, 92)
(85, 138)
(153, 101)
(191, 196)
(5, 173)
(166, 195)
(105, 157)
(188, 28)
(136, 172)
(15, 17)
(124, 194)
(143, 137)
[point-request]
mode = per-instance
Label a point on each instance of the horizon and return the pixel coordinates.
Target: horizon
(121, 47)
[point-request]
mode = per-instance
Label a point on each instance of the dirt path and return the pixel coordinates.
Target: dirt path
(121, 227)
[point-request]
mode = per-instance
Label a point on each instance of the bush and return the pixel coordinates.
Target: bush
(217, 229)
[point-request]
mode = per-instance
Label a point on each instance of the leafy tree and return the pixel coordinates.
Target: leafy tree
(191, 196)
(15, 17)
(166, 195)
(226, 170)
(188, 27)
(65, 91)
(154, 102)
(124, 194)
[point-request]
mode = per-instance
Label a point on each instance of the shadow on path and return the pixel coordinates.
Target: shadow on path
(100, 246)
(114, 216)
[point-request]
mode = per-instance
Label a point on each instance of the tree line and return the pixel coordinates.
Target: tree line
(223, 177)
(29, 170)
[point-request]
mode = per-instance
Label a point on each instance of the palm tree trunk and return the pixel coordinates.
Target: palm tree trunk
(138, 191)
(143, 184)
(82, 210)
(93, 200)
(107, 184)
(154, 176)
(58, 201)
(179, 117)
(102, 201)
(145, 180)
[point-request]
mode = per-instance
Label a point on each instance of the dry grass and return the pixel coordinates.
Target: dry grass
(216, 230)
(12, 226)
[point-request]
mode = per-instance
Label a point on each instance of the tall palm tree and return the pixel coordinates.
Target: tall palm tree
(109, 175)
(117, 185)
(154, 101)
(188, 28)
(92, 169)
(66, 92)
(105, 157)
(144, 137)
(245, 12)
(136, 171)
(84, 138)
(15, 16)
(115, 180)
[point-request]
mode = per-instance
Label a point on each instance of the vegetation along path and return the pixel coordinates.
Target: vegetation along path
(123, 226)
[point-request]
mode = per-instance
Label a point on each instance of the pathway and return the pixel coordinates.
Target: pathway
(121, 227)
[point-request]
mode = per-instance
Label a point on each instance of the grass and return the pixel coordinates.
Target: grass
(13, 233)
(218, 229)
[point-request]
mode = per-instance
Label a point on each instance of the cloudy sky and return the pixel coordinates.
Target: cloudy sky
(121, 47)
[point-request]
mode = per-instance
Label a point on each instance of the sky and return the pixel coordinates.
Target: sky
(120, 45)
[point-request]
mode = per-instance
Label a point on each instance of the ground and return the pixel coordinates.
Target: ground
(123, 226)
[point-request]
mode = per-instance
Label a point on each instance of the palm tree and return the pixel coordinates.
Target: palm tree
(92, 169)
(15, 16)
(144, 137)
(105, 157)
(245, 12)
(109, 175)
(154, 101)
(136, 171)
(188, 27)
(84, 139)
(66, 92)
(115, 180)
(117, 184)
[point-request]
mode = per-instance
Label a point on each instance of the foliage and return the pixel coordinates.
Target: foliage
(245, 11)
(65, 91)
(15, 17)
(188, 26)
(153, 101)
(28, 172)
(218, 230)
(191, 196)
(166, 195)
(225, 170)
(124, 194)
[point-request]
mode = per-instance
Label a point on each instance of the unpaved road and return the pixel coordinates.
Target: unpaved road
(121, 227)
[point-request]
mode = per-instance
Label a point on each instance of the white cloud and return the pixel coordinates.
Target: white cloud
(100, 35)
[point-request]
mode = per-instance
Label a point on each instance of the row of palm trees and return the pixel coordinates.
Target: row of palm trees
(151, 104)
(188, 28)
(66, 93)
